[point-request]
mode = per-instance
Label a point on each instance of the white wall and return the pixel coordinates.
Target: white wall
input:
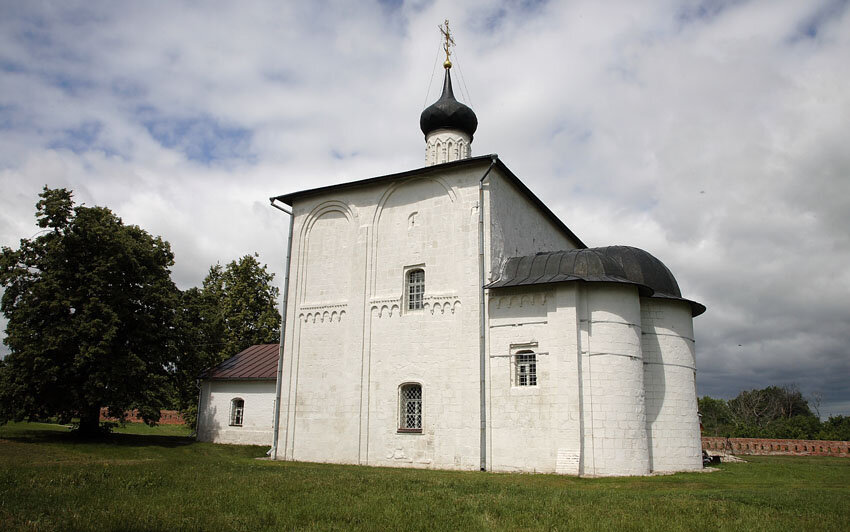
(350, 342)
(672, 421)
(517, 227)
(614, 411)
(214, 417)
(533, 428)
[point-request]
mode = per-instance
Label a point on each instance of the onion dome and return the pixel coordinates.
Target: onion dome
(448, 113)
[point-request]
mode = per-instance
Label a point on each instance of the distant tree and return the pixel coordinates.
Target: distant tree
(816, 398)
(89, 304)
(772, 412)
(756, 409)
(715, 417)
(235, 308)
(835, 428)
(799, 427)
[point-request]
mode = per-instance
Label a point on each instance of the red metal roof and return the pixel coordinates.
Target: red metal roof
(258, 362)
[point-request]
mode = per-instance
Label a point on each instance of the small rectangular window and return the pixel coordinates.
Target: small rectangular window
(526, 369)
(410, 408)
(237, 409)
(415, 289)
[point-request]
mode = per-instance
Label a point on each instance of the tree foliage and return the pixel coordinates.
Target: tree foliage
(772, 412)
(234, 309)
(244, 305)
(90, 308)
(760, 408)
(835, 428)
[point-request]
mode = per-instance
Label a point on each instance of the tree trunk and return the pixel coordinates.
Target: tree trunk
(90, 421)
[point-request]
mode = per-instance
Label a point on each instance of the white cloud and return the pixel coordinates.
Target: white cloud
(710, 133)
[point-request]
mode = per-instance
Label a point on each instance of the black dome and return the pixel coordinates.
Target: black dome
(448, 113)
(642, 267)
(563, 266)
(611, 264)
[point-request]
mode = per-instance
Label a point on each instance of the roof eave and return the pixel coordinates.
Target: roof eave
(289, 198)
(643, 290)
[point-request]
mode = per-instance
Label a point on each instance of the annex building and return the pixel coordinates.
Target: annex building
(444, 317)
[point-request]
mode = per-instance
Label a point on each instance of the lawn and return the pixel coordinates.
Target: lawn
(159, 479)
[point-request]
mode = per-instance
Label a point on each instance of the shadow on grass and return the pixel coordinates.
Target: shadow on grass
(64, 435)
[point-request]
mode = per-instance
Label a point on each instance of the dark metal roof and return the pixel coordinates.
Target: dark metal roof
(611, 264)
(642, 267)
(258, 362)
(562, 266)
(480, 160)
(448, 113)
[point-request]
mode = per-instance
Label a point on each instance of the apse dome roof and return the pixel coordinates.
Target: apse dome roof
(641, 267)
(562, 266)
(448, 113)
(612, 264)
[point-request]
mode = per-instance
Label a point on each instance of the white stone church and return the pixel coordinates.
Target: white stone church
(444, 317)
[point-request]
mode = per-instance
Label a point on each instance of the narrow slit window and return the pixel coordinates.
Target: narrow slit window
(237, 411)
(526, 368)
(415, 289)
(410, 408)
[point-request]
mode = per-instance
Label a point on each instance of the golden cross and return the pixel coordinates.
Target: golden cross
(444, 29)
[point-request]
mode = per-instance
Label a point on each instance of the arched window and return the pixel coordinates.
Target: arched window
(237, 411)
(526, 368)
(410, 408)
(415, 289)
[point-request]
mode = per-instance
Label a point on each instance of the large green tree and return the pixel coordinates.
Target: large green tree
(90, 308)
(235, 308)
(244, 301)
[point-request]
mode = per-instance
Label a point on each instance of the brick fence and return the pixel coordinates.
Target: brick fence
(776, 447)
(169, 417)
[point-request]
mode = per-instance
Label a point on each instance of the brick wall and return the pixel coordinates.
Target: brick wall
(169, 417)
(766, 446)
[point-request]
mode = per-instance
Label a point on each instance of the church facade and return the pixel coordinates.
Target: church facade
(444, 317)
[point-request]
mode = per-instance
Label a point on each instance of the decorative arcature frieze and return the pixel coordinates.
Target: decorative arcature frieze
(519, 300)
(323, 313)
(446, 145)
(436, 305)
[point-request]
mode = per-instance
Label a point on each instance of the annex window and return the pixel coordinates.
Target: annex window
(237, 410)
(526, 368)
(415, 289)
(410, 408)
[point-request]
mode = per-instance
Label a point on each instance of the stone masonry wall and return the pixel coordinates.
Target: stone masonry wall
(763, 446)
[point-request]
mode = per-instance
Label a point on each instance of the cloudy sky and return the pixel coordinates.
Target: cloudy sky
(713, 134)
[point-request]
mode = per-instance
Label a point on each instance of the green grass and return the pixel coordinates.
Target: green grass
(159, 430)
(153, 479)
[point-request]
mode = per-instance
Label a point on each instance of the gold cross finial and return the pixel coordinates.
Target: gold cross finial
(444, 29)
